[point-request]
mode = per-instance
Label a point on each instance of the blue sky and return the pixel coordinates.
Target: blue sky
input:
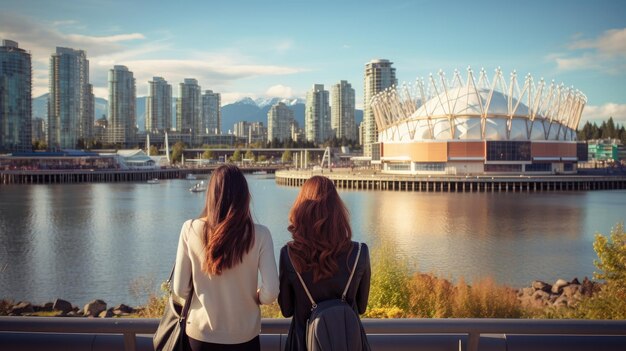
(281, 48)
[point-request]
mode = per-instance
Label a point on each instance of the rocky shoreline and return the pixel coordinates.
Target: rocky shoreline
(539, 295)
(560, 294)
(63, 308)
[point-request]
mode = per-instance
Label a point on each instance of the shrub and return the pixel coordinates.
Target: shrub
(610, 302)
(390, 274)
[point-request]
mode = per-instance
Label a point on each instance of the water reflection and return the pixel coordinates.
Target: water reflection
(86, 241)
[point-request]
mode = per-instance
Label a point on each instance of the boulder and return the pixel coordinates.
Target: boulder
(560, 302)
(525, 292)
(557, 288)
(48, 307)
(575, 281)
(572, 289)
(589, 287)
(106, 314)
(21, 308)
(123, 308)
(94, 308)
(539, 285)
(541, 295)
(62, 305)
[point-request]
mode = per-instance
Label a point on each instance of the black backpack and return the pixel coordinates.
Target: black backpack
(333, 324)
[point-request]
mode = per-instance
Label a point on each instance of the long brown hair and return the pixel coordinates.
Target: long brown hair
(320, 226)
(229, 229)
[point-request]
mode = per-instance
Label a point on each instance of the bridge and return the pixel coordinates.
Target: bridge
(77, 334)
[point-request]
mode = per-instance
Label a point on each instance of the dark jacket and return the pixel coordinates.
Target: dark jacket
(294, 302)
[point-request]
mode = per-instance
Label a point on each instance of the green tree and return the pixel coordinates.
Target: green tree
(610, 302)
(153, 150)
(286, 158)
(207, 154)
(177, 151)
(250, 155)
(236, 157)
(262, 158)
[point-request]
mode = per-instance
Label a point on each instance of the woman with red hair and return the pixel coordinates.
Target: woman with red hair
(221, 254)
(323, 254)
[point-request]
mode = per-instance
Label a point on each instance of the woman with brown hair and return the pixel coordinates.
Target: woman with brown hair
(323, 254)
(222, 253)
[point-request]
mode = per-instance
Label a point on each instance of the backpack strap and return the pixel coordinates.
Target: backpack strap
(345, 290)
(356, 260)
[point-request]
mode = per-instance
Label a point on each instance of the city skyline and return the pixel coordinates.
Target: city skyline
(239, 53)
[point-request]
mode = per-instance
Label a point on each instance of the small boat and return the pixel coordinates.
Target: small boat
(259, 173)
(198, 187)
(191, 176)
(153, 181)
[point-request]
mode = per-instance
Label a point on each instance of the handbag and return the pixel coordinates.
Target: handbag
(170, 335)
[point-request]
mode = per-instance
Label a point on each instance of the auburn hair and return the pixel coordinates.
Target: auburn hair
(319, 223)
(228, 233)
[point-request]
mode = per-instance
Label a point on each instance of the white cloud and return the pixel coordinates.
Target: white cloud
(605, 53)
(284, 46)
(601, 113)
(214, 70)
(279, 91)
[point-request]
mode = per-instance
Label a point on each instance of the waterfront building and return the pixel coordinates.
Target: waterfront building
(159, 106)
(610, 150)
(317, 115)
(71, 100)
(189, 107)
(122, 127)
(342, 111)
(280, 120)
(211, 113)
(379, 75)
(15, 98)
(468, 127)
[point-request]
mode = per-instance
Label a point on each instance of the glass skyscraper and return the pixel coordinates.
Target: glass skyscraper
(317, 115)
(342, 111)
(159, 106)
(122, 110)
(15, 98)
(71, 101)
(189, 107)
(211, 113)
(379, 75)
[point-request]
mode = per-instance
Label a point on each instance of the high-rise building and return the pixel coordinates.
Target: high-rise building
(159, 106)
(317, 115)
(279, 121)
(71, 101)
(38, 129)
(253, 132)
(122, 110)
(189, 107)
(211, 112)
(342, 111)
(379, 75)
(15, 98)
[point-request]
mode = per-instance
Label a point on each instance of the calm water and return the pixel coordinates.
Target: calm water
(117, 241)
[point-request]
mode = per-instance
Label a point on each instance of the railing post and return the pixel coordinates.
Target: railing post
(129, 342)
(472, 341)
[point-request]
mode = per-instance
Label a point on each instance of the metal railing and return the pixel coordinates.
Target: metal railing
(468, 330)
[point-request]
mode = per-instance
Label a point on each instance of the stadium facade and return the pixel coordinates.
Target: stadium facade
(468, 126)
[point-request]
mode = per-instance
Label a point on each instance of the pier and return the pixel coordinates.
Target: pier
(66, 176)
(368, 180)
